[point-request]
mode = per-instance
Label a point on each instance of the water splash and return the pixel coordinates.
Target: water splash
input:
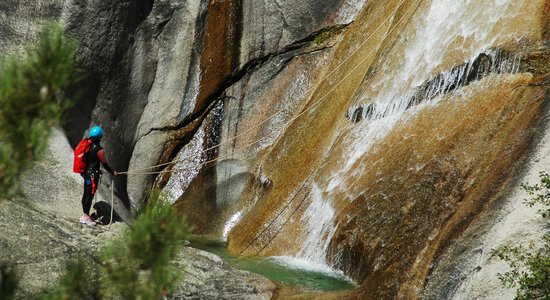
(306, 265)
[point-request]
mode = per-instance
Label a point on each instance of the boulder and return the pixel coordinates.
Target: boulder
(207, 276)
(38, 244)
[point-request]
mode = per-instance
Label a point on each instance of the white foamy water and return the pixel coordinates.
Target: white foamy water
(306, 265)
(320, 229)
(451, 33)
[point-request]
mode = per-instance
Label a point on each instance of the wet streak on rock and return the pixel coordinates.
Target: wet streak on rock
(300, 47)
(217, 50)
(220, 59)
(221, 47)
(185, 129)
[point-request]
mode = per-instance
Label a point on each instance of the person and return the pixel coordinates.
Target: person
(94, 158)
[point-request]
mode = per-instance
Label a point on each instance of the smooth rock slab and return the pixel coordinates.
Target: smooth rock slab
(38, 244)
(207, 276)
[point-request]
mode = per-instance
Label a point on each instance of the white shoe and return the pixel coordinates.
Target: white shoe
(86, 219)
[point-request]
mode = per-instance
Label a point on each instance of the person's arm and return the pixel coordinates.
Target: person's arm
(103, 160)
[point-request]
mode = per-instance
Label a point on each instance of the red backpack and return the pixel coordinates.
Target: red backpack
(79, 164)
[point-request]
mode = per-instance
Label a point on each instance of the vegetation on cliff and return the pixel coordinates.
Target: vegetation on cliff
(139, 264)
(32, 101)
(8, 282)
(530, 266)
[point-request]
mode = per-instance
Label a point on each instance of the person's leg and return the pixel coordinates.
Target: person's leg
(88, 194)
(95, 184)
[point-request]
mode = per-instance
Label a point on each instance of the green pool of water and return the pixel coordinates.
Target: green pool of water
(280, 269)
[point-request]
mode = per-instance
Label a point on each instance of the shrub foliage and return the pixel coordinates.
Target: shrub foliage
(530, 266)
(8, 282)
(32, 101)
(79, 282)
(139, 264)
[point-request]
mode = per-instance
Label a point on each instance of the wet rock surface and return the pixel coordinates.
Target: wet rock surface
(466, 270)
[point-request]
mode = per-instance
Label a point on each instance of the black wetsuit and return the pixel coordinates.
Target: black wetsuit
(94, 158)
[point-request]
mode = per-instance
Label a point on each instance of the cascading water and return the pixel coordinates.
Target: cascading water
(378, 195)
(190, 161)
(450, 33)
(320, 228)
(441, 36)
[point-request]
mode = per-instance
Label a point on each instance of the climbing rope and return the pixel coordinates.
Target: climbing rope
(314, 105)
(142, 171)
(112, 201)
(416, 4)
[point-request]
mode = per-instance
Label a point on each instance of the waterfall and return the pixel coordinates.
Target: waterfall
(234, 219)
(450, 33)
(442, 35)
(318, 217)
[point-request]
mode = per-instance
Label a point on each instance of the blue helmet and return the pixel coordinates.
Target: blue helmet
(96, 132)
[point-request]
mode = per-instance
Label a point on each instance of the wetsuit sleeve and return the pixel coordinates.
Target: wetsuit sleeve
(103, 160)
